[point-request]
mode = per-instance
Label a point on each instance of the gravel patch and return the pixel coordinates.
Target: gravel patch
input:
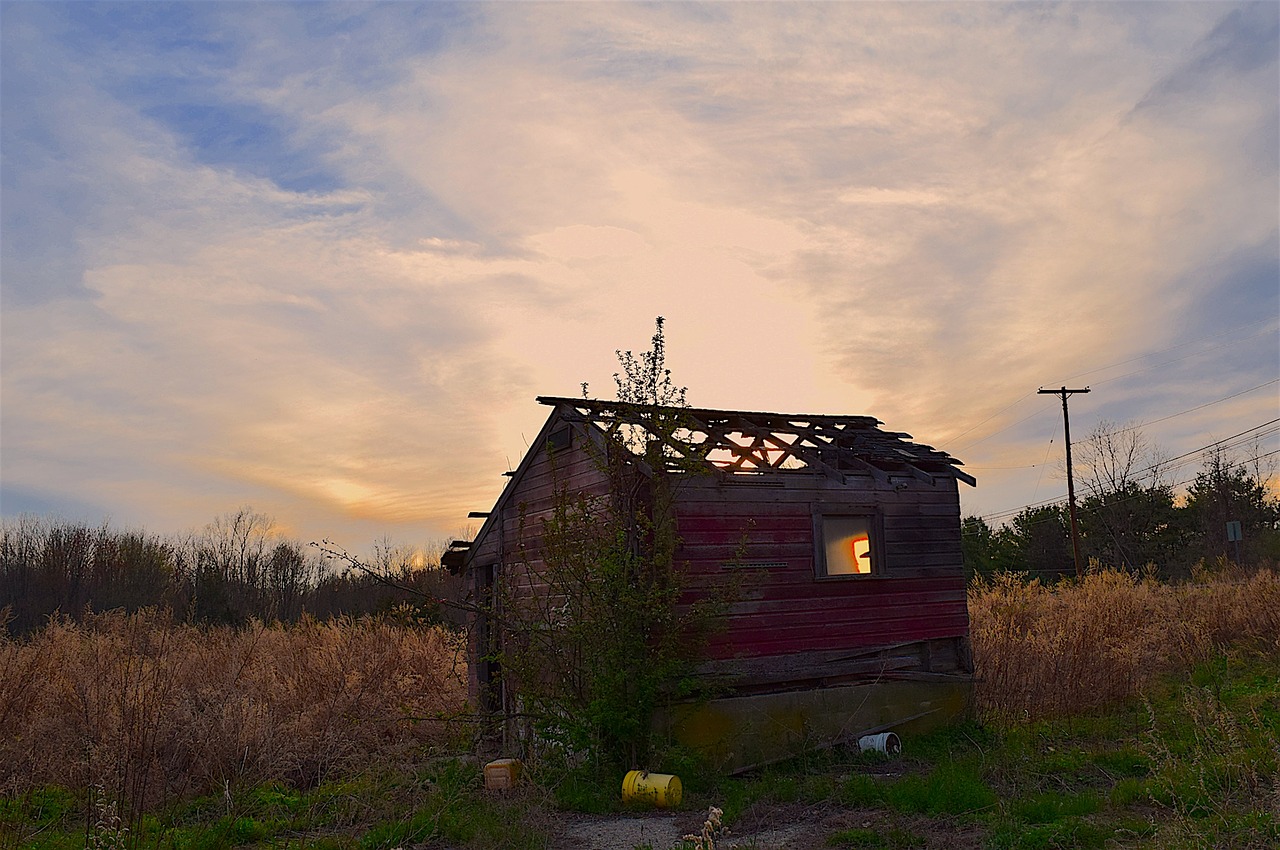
(623, 833)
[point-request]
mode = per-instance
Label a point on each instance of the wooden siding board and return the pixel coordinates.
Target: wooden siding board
(570, 472)
(766, 615)
(914, 528)
(932, 655)
(907, 526)
(905, 553)
(752, 527)
(929, 653)
(707, 560)
(838, 594)
(735, 496)
(486, 553)
(803, 581)
(823, 606)
(752, 539)
(726, 552)
(713, 564)
(806, 638)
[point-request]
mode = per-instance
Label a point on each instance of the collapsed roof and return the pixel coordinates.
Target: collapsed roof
(738, 442)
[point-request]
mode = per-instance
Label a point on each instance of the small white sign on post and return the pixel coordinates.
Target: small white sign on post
(1233, 531)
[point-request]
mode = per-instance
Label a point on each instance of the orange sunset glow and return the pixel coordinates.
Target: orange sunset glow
(322, 262)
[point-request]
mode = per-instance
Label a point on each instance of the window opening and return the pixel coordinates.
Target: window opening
(848, 545)
(558, 440)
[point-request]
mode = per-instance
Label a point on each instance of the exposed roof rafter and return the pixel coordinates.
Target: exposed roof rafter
(731, 442)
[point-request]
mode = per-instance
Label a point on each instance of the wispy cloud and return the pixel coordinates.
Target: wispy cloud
(322, 257)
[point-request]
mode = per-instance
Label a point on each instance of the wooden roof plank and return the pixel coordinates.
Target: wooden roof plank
(821, 443)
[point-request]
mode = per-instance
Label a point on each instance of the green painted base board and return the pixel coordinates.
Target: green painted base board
(738, 733)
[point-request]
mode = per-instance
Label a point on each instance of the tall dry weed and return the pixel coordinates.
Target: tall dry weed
(149, 709)
(1044, 651)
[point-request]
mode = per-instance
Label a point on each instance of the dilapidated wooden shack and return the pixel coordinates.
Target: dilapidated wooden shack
(853, 616)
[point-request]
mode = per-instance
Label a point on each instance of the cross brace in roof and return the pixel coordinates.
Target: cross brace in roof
(831, 445)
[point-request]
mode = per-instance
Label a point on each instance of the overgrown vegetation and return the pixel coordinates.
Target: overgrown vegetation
(1044, 650)
(141, 732)
(595, 632)
(236, 569)
(146, 710)
(227, 697)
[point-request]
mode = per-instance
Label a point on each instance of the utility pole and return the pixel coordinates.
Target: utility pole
(1071, 487)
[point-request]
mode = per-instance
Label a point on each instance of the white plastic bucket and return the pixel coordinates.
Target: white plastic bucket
(885, 742)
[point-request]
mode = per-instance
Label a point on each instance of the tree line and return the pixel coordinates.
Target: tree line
(1131, 514)
(236, 569)
(239, 568)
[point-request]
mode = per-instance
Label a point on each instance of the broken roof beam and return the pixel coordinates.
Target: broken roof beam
(920, 474)
(747, 454)
(876, 472)
(819, 443)
(749, 425)
(601, 439)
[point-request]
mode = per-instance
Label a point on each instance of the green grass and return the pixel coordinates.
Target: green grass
(890, 839)
(1192, 766)
(954, 788)
(1049, 807)
(443, 802)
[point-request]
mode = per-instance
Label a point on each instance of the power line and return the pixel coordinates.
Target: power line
(1200, 407)
(1166, 362)
(1211, 445)
(985, 421)
(1000, 431)
(1266, 321)
(1200, 451)
(1129, 427)
(1040, 474)
(1023, 397)
(1120, 501)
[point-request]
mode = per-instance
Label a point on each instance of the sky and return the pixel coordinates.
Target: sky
(320, 259)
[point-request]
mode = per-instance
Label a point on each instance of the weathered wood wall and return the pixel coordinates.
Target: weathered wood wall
(505, 559)
(789, 624)
(788, 628)
(530, 497)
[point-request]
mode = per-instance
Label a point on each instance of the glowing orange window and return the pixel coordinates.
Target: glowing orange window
(848, 546)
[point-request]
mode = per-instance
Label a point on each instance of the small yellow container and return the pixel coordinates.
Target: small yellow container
(659, 789)
(502, 774)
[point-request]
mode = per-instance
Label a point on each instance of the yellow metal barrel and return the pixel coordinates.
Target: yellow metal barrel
(659, 789)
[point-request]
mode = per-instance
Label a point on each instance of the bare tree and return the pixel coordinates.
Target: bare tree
(1128, 517)
(1114, 457)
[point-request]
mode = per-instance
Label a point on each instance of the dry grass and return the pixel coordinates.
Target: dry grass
(152, 710)
(148, 710)
(1043, 651)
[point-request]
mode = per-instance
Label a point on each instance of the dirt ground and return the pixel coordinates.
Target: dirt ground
(787, 827)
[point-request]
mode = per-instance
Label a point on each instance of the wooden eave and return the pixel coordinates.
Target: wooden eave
(513, 477)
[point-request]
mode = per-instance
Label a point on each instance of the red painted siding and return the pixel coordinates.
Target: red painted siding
(783, 611)
(918, 593)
